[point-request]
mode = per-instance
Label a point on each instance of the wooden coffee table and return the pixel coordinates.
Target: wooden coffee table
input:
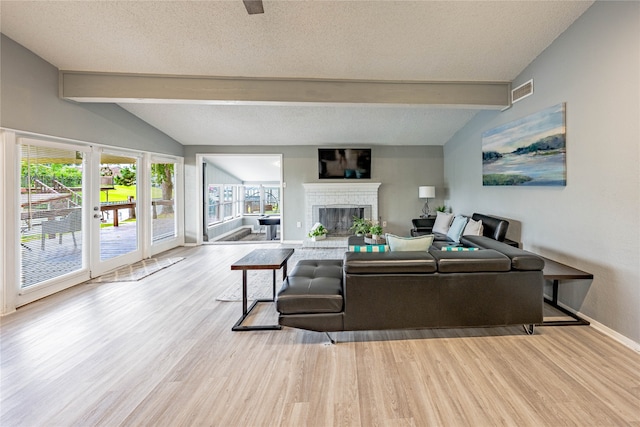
(260, 259)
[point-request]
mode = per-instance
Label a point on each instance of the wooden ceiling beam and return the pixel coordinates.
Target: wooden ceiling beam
(139, 88)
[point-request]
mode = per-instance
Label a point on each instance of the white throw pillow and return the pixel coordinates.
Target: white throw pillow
(443, 221)
(457, 226)
(473, 228)
(404, 244)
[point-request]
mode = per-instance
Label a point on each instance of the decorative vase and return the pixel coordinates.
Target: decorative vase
(320, 237)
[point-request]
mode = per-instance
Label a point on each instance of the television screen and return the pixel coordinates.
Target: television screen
(345, 163)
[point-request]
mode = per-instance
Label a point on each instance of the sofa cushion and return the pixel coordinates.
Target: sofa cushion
(471, 261)
(389, 262)
(520, 259)
(404, 244)
(442, 223)
(456, 228)
(314, 286)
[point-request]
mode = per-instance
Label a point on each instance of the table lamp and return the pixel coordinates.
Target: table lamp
(426, 192)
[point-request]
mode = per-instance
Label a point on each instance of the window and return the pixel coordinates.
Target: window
(214, 203)
(251, 199)
(230, 201)
(226, 202)
(271, 200)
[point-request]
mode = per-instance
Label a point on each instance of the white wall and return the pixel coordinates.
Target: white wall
(593, 222)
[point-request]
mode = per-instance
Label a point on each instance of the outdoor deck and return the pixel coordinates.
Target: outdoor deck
(56, 259)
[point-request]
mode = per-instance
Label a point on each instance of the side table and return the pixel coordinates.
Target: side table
(422, 226)
(260, 259)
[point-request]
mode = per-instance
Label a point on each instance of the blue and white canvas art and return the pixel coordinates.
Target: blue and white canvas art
(528, 151)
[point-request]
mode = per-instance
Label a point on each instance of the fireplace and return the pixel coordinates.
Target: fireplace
(338, 219)
(341, 201)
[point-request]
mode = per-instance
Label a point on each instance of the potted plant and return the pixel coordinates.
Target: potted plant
(360, 226)
(318, 232)
(376, 231)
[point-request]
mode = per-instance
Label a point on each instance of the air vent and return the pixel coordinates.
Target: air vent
(522, 91)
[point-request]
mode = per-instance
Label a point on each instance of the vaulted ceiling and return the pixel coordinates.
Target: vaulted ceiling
(388, 41)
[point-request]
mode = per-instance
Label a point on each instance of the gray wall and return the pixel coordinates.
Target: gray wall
(29, 87)
(593, 222)
(400, 169)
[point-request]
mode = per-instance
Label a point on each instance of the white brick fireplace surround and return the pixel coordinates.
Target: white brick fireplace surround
(351, 193)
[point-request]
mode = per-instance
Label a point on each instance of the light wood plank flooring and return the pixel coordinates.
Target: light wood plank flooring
(161, 352)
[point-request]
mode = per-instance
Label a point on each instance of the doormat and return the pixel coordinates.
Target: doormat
(137, 271)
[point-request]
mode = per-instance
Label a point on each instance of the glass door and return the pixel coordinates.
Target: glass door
(115, 212)
(51, 227)
(163, 201)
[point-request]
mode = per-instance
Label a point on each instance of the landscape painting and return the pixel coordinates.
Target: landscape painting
(528, 151)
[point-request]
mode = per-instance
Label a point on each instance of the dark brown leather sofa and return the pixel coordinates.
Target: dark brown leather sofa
(496, 286)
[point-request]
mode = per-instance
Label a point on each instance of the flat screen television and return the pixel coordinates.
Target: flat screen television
(344, 163)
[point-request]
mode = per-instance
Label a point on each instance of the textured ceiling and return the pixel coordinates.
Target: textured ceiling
(385, 40)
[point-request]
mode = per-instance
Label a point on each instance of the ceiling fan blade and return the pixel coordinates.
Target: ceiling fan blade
(253, 6)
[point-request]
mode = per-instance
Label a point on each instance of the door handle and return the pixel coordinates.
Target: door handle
(97, 216)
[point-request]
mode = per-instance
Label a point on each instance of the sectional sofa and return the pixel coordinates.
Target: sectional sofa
(490, 283)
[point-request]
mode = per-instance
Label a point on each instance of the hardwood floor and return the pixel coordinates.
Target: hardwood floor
(161, 352)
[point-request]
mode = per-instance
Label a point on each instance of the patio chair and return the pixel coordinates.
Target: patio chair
(69, 224)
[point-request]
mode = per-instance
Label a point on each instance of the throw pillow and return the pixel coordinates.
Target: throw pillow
(473, 228)
(458, 248)
(457, 226)
(442, 223)
(368, 248)
(404, 244)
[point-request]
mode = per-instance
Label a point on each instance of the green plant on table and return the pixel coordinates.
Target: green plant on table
(318, 231)
(361, 226)
(375, 230)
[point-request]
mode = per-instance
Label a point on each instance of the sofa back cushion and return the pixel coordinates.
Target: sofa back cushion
(389, 262)
(495, 228)
(520, 259)
(471, 261)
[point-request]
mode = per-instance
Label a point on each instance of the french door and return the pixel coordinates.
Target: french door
(78, 215)
(115, 211)
(52, 224)
(72, 211)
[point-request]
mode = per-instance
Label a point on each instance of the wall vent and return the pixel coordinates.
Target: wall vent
(522, 91)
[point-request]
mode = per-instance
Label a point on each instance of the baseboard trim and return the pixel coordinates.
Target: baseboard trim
(626, 341)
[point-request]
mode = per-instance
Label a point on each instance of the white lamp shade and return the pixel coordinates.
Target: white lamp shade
(426, 192)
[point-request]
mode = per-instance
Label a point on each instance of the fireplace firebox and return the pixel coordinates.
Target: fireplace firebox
(338, 219)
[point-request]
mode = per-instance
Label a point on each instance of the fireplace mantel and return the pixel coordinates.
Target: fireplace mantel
(342, 186)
